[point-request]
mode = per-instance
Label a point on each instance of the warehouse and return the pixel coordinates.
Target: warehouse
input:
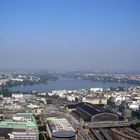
(89, 112)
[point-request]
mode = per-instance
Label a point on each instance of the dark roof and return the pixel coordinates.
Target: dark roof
(71, 106)
(5, 131)
(63, 134)
(87, 110)
(78, 104)
(90, 108)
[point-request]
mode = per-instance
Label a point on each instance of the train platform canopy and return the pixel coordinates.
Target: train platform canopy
(89, 112)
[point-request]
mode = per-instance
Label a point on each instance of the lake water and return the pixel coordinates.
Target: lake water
(67, 83)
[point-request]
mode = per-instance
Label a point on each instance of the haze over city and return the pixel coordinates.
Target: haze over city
(70, 34)
(69, 70)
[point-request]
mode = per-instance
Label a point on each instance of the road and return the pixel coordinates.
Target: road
(82, 134)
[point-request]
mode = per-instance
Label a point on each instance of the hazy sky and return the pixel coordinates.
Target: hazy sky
(70, 34)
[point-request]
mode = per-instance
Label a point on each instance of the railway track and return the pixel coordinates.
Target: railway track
(97, 134)
(105, 133)
(126, 133)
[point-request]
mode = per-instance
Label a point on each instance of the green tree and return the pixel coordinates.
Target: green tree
(5, 92)
(42, 128)
(49, 101)
(41, 137)
(76, 100)
(110, 101)
(38, 122)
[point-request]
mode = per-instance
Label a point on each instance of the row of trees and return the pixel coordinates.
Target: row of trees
(5, 92)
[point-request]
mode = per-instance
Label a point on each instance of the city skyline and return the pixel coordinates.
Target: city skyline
(70, 35)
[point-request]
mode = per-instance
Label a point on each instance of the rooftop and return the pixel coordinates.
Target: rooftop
(64, 134)
(87, 111)
(57, 124)
(28, 125)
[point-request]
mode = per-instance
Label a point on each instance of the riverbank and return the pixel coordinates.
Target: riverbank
(68, 83)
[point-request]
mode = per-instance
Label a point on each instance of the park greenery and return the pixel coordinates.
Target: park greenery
(44, 78)
(5, 92)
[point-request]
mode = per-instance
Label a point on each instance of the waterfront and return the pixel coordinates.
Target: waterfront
(67, 83)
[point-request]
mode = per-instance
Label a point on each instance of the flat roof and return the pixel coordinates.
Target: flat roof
(63, 134)
(59, 124)
(29, 125)
(27, 115)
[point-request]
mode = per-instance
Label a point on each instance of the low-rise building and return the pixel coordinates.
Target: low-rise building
(21, 127)
(60, 129)
(95, 100)
(17, 96)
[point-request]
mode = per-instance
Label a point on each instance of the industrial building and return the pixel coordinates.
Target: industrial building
(92, 113)
(21, 127)
(60, 129)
